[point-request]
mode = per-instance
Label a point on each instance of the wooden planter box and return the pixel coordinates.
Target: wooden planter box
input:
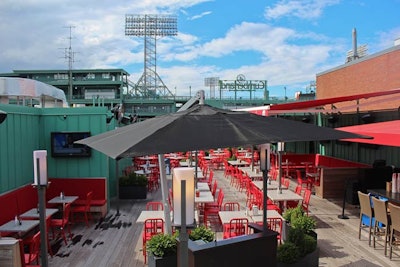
(133, 192)
(170, 261)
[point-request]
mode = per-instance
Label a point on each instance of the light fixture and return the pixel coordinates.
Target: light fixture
(187, 175)
(265, 150)
(368, 118)
(40, 167)
(281, 146)
(333, 118)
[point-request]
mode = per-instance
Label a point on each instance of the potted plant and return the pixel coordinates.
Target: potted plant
(133, 186)
(162, 250)
(300, 246)
(201, 234)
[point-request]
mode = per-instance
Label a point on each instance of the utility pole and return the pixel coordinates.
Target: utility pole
(69, 55)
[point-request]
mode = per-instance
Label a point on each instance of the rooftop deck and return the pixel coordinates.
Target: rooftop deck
(116, 240)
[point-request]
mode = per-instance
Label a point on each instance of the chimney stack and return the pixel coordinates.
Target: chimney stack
(355, 55)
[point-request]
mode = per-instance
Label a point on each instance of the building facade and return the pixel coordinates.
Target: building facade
(372, 73)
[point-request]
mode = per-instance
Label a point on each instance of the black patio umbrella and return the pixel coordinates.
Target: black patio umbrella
(203, 127)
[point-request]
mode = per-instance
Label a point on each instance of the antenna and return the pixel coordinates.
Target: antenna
(150, 27)
(69, 55)
(357, 51)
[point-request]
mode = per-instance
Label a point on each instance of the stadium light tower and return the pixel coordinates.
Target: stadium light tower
(151, 27)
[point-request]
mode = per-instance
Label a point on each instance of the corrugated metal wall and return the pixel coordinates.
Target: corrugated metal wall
(27, 129)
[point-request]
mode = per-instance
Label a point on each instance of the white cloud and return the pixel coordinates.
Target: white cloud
(304, 9)
(200, 15)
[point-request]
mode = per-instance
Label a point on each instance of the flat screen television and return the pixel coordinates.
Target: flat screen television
(62, 144)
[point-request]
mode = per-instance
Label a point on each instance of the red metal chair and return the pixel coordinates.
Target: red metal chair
(62, 223)
(212, 209)
(231, 206)
(154, 205)
(150, 229)
(33, 249)
(83, 210)
(275, 224)
(306, 201)
(304, 183)
(294, 203)
(236, 227)
(214, 188)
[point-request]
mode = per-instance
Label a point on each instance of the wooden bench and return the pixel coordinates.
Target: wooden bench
(80, 187)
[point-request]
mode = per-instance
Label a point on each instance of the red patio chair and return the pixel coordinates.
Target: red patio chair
(83, 210)
(236, 227)
(61, 224)
(231, 206)
(150, 229)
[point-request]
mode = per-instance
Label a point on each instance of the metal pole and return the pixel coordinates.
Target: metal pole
(164, 192)
(265, 190)
(183, 235)
(42, 224)
(117, 178)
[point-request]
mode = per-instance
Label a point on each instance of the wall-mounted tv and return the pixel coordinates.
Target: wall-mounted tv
(62, 144)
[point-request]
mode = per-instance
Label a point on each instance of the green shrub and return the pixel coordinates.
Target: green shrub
(310, 244)
(300, 243)
(305, 223)
(162, 245)
(292, 214)
(133, 179)
(296, 236)
(202, 233)
(288, 253)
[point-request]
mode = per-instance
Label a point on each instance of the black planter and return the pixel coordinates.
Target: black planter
(132, 192)
(170, 261)
(309, 260)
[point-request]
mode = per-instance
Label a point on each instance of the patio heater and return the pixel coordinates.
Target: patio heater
(183, 186)
(265, 150)
(40, 181)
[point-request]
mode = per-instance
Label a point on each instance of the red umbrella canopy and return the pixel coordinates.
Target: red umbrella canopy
(384, 133)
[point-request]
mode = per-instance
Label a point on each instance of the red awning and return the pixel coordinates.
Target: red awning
(306, 105)
(384, 133)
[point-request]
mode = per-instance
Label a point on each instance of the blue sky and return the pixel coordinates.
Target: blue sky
(285, 42)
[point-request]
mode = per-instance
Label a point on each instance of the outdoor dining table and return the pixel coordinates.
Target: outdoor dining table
(153, 214)
(62, 200)
(205, 197)
(283, 196)
(143, 172)
(392, 197)
(150, 214)
(227, 216)
(254, 173)
(34, 213)
(20, 228)
(151, 165)
(238, 162)
(202, 187)
(272, 185)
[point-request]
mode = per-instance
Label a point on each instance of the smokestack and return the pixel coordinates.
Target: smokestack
(355, 55)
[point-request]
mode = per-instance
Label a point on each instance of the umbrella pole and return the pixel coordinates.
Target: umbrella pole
(164, 192)
(265, 196)
(117, 178)
(280, 171)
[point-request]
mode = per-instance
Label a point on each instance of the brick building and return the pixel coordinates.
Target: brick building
(372, 73)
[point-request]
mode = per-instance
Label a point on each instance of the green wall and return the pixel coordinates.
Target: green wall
(27, 129)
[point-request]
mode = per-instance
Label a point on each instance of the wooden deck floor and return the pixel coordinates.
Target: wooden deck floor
(116, 240)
